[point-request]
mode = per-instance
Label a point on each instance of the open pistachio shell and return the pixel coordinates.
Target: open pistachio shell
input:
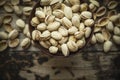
(7, 19)
(112, 4)
(8, 27)
(106, 34)
(103, 21)
(8, 7)
(13, 43)
(27, 10)
(3, 45)
(111, 13)
(101, 11)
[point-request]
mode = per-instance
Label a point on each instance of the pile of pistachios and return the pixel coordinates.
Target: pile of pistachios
(62, 25)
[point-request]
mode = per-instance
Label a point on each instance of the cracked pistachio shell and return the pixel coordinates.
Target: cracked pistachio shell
(65, 50)
(87, 32)
(7, 19)
(83, 7)
(110, 26)
(72, 30)
(107, 46)
(49, 19)
(66, 22)
(63, 31)
(15, 2)
(44, 44)
(63, 40)
(47, 10)
(56, 35)
(20, 23)
(80, 43)
(75, 8)
(89, 22)
(36, 35)
(72, 38)
(13, 43)
(13, 34)
(112, 4)
(95, 2)
(53, 42)
(72, 46)
(53, 49)
(53, 26)
(45, 35)
(103, 21)
(3, 45)
(58, 13)
(79, 35)
(92, 7)
(25, 43)
(68, 12)
(40, 14)
(99, 37)
(8, 7)
(101, 11)
(35, 21)
(74, 2)
(76, 21)
(27, 10)
(3, 35)
(106, 34)
(41, 27)
(8, 27)
(93, 40)
(117, 31)
(86, 15)
(116, 39)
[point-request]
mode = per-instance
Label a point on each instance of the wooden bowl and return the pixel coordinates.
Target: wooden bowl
(42, 49)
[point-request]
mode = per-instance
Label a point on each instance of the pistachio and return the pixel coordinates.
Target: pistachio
(112, 4)
(101, 11)
(114, 18)
(65, 49)
(66, 22)
(40, 14)
(86, 15)
(53, 49)
(25, 43)
(79, 35)
(95, 2)
(36, 35)
(87, 32)
(76, 21)
(68, 12)
(8, 7)
(13, 34)
(41, 27)
(80, 43)
(7, 19)
(20, 23)
(72, 30)
(99, 37)
(63, 31)
(83, 7)
(107, 46)
(92, 7)
(106, 34)
(93, 40)
(89, 22)
(116, 39)
(13, 43)
(63, 40)
(58, 13)
(53, 42)
(74, 2)
(44, 44)
(72, 38)
(3, 45)
(49, 19)
(110, 26)
(53, 26)
(15, 2)
(8, 28)
(117, 31)
(17, 10)
(3, 35)
(27, 10)
(72, 46)
(45, 35)
(47, 10)
(56, 35)
(81, 27)
(75, 8)
(44, 2)
(35, 21)
(26, 29)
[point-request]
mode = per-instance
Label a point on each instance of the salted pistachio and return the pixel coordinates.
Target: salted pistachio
(95, 2)
(20, 23)
(58, 13)
(27, 10)
(68, 12)
(15, 2)
(8, 7)
(35, 21)
(3, 35)
(17, 10)
(89, 22)
(101, 11)
(8, 27)
(92, 7)
(75, 8)
(93, 40)
(103, 21)
(65, 50)
(66, 22)
(79, 35)
(88, 31)
(107, 46)
(53, 49)
(53, 26)
(72, 46)
(86, 14)
(99, 37)
(76, 21)
(53, 42)
(72, 38)
(36, 35)
(3, 45)
(26, 29)
(13, 34)
(114, 18)
(112, 4)
(45, 35)
(83, 7)
(116, 39)
(74, 2)
(56, 35)
(2, 2)
(56, 4)
(80, 43)
(44, 44)
(47, 10)
(72, 30)
(13, 43)
(81, 27)
(40, 14)
(49, 19)
(111, 13)
(106, 34)
(7, 19)
(117, 30)
(44, 2)
(63, 31)
(41, 27)
(25, 43)
(110, 26)
(63, 40)
(78, 15)
(28, 34)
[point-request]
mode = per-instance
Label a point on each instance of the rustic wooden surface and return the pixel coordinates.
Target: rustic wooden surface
(31, 64)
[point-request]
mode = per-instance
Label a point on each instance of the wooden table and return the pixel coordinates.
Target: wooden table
(31, 64)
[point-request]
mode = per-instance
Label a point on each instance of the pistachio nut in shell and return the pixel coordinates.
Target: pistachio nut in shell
(66, 22)
(72, 46)
(3, 35)
(79, 35)
(93, 40)
(99, 37)
(13, 34)
(36, 35)
(8, 7)
(63, 40)
(72, 38)
(86, 15)
(20, 23)
(13, 43)
(75, 8)
(63, 31)
(80, 43)
(116, 39)
(53, 26)
(68, 12)
(44, 44)
(45, 35)
(27, 11)
(83, 7)
(58, 13)
(95, 2)
(65, 50)
(41, 27)
(88, 32)
(25, 43)
(81, 27)
(106, 34)
(49, 19)
(56, 35)
(76, 21)
(117, 30)
(3, 45)
(40, 14)
(53, 42)
(53, 49)
(110, 26)
(107, 46)
(72, 30)
(89, 22)
(35, 21)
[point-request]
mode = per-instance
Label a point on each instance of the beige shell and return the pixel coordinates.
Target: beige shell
(92, 7)
(112, 4)
(79, 35)
(111, 13)
(17, 10)
(76, 21)
(7, 19)
(87, 32)
(97, 29)
(72, 46)
(3, 35)
(13, 34)
(103, 21)
(45, 35)
(36, 35)
(56, 35)
(3, 45)
(20, 23)
(66, 22)
(42, 27)
(99, 37)
(83, 7)
(8, 27)
(93, 40)
(15, 2)
(72, 30)
(49, 19)
(63, 31)
(25, 43)
(81, 27)
(95, 2)
(35, 21)
(13, 43)
(8, 7)
(75, 8)
(86, 15)
(114, 18)
(107, 46)
(26, 29)
(117, 22)
(116, 39)
(44, 44)
(106, 34)
(110, 26)
(63, 40)
(68, 12)
(101, 11)
(72, 38)
(117, 30)
(89, 22)
(56, 4)
(53, 26)
(53, 42)
(58, 20)
(27, 10)
(65, 50)
(47, 10)
(74, 2)
(58, 13)
(2, 2)
(80, 43)
(53, 49)
(40, 14)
